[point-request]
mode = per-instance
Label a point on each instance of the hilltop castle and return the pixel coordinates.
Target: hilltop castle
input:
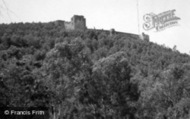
(78, 22)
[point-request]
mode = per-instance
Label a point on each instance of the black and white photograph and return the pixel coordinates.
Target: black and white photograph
(94, 59)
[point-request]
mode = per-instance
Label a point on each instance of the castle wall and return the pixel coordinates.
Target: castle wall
(59, 23)
(69, 26)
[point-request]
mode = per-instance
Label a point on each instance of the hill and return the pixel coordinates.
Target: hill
(91, 74)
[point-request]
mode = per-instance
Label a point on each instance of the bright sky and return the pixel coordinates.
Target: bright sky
(105, 14)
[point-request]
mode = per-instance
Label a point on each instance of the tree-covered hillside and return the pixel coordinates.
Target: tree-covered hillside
(91, 74)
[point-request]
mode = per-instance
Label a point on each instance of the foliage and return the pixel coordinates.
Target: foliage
(91, 74)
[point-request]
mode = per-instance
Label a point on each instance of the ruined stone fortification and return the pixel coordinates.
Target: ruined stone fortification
(77, 23)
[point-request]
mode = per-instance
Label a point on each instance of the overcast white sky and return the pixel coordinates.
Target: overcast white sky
(105, 14)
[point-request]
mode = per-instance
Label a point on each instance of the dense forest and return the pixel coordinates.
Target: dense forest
(91, 74)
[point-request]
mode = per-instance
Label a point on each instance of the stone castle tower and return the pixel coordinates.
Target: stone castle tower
(77, 23)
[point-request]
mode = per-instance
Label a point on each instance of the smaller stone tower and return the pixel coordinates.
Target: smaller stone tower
(144, 36)
(78, 22)
(112, 32)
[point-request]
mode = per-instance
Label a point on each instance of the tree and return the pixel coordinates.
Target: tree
(64, 72)
(167, 95)
(110, 91)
